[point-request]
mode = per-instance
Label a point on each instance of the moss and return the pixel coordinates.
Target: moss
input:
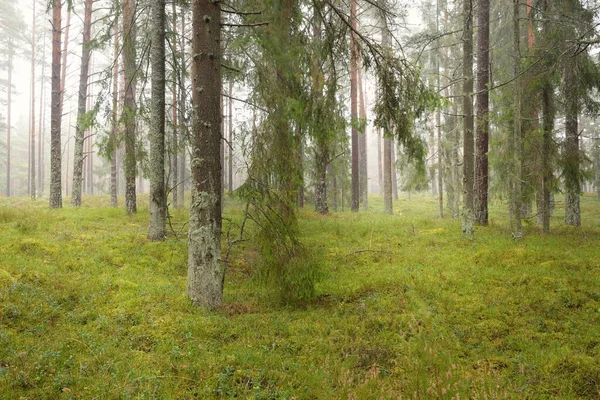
(405, 306)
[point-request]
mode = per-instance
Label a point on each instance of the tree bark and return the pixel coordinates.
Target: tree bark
(55, 117)
(114, 183)
(8, 114)
(206, 272)
(158, 201)
(468, 145)
(571, 154)
(32, 188)
(41, 125)
(230, 126)
(548, 128)
(81, 107)
(483, 78)
(516, 143)
(353, 108)
(363, 172)
(129, 106)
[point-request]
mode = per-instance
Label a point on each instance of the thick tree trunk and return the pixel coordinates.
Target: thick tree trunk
(468, 145)
(483, 78)
(571, 154)
(55, 117)
(206, 271)
(32, 188)
(353, 108)
(114, 183)
(129, 106)
(158, 201)
(81, 107)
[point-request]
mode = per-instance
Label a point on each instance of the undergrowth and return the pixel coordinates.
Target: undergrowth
(405, 308)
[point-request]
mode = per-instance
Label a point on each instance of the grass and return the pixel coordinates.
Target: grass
(407, 308)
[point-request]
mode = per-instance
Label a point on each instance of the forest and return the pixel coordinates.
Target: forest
(292, 199)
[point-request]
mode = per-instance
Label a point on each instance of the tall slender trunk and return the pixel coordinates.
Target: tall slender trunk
(230, 125)
(114, 183)
(32, 188)
(379, 162)
(548, 127)
(182, 120)
(386, 43)
(129, 106)
(394, 167)
(65, 51)
(81, 125)
(516, 142)
(158, 201)
(55, 117)
(8, 112)
(206, 271)
(483, 78)
(175, 122)
(41, 122)
(468, 142)
(353, 107)
(387, 176)
(364, 181)
(438, 121)
(571, 153)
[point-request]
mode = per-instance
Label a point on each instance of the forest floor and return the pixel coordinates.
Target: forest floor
(406, 308)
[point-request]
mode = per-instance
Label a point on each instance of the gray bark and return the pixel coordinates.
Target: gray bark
(206, 271)
(114, 183)
(129, 106)
(516, 144)
(81, 107)
(468, 142)
(571, 154)
(55, 117)
(158, 201)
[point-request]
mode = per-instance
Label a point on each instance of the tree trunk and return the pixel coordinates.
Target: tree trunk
(129, 106)
(394, 171)
(468, 145)
(387, 176)
(8, 112)
(438, 123)
(571, 154)
(158, 201)
(364, 181)
(174, 117)
(483, 78)
(353, 108)
(55, 117)
(379, 162)
(81, 126)
(206, 271)
(516, 143)
(182, 119)
(32, 188)
(230, 126)
(41, 125)
(115, 120)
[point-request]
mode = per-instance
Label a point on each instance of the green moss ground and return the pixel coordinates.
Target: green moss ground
(406, 308)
